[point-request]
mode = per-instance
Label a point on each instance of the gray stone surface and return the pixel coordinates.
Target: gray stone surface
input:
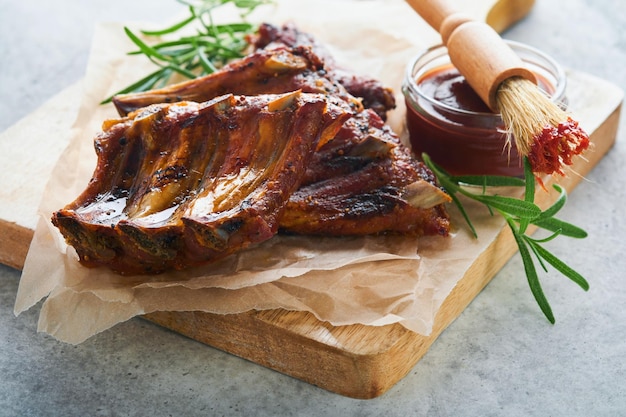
(500, 358)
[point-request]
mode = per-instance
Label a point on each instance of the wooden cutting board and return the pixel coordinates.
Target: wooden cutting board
(20, 194)
(357, 361)
(364, 361)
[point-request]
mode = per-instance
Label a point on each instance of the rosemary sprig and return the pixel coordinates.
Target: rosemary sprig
(519, 214)
(195, 55)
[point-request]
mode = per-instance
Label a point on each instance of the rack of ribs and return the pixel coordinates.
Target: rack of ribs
(279, 70)
(403, 198)
(183, 184)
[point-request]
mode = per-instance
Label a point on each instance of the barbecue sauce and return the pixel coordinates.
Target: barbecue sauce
(449, 122)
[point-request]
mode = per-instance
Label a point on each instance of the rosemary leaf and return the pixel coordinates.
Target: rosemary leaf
(212, 46)
(566, 229)
(533, 248)
(519, 213)
(532, 277)
(547, 239)
(182, 71)
(529, 192)
(167, 73)
(510, 205)
(206, 63)
(560, 266)
(146, 83)
(529, 180)
(231, 29)
(145, 49)
(461, 208)
(557, 205)
(172, 28)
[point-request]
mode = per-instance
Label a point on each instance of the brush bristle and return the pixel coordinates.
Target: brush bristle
(542, 131)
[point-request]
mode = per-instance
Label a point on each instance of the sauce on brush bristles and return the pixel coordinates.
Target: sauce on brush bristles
(543, 132)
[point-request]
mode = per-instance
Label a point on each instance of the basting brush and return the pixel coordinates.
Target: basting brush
(543, 132)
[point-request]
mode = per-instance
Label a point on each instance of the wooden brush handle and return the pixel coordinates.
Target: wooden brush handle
(475, 49)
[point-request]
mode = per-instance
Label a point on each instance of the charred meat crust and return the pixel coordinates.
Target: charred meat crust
(373, 93)
(183, 184)
(178, 185)
(362, 183)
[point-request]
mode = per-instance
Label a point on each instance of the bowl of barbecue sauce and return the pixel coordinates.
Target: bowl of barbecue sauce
(448, 121)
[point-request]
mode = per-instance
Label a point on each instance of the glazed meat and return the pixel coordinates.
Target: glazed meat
(365, 181)
(275, 71)
(372, 92)
(183, 184)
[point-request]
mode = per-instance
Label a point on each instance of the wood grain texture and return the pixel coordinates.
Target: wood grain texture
(360, 361)
(356, 361)
(14, 243)
(504, 13)
(475, 48)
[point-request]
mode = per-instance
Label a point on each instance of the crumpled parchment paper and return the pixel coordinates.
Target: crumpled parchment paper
(366, 280)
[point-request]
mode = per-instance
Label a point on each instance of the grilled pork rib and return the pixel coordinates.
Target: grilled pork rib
(344, 199)
(183, 184)
(365, 181)
(373, 93)
(275, 71)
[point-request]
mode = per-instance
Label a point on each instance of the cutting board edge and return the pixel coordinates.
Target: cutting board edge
(14, 244)
(344, 372)
(373, 377)
(371, 370)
